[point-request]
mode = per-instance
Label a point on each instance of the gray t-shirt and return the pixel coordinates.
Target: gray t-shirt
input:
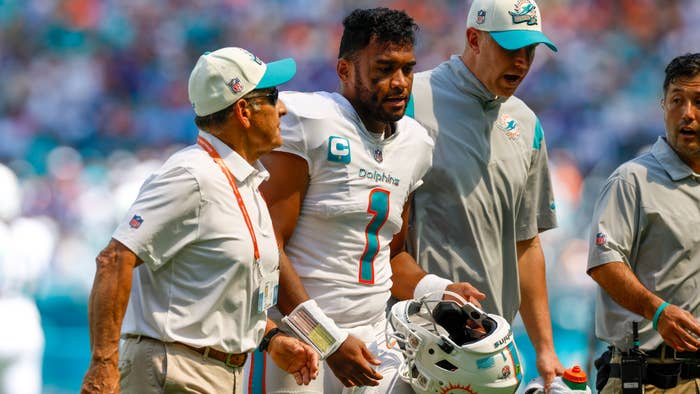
(648, 217)
(489, 186)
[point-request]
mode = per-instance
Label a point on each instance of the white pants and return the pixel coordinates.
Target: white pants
(261, 374)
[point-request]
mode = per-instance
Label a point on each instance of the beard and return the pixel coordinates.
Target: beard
(368, 103)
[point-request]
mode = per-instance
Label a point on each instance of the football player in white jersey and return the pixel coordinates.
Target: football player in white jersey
(338, 194)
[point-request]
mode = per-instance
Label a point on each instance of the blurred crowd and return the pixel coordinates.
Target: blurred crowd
(94, 97)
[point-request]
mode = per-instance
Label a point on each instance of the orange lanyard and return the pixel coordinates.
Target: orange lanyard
(232, 181)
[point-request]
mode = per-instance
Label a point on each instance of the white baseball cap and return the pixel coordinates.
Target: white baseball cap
(513, 24)
(222, 77)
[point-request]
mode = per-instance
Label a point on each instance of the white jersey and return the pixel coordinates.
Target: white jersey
(358, 185)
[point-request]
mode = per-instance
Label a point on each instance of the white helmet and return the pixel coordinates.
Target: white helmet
(453, 347)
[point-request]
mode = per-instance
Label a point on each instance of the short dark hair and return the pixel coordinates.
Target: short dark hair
(687, 65)
(387, 25)
(206, 122)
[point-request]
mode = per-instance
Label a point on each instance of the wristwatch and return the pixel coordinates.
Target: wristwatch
(268, 337)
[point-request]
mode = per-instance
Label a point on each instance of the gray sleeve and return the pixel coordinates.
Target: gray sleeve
(614, 224)
(164, 217)
(536, 212)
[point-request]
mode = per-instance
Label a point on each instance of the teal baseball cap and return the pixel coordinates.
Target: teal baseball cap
(513, 24)
(222, 77)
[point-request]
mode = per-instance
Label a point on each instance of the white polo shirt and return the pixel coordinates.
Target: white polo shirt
(199, 283)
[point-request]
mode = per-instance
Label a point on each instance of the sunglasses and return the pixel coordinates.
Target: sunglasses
(271, 94)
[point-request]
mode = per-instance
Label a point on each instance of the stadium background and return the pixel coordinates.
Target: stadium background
(94, 96)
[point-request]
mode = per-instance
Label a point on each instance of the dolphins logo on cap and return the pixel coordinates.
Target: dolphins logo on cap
(525, 11)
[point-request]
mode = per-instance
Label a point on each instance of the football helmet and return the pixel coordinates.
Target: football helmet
(453, 347)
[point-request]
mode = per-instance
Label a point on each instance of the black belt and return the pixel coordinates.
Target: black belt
(233, 360)
(664, 375)
(666, 352)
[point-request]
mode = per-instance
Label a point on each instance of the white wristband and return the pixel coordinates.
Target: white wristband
(312, 326)
(430, 284)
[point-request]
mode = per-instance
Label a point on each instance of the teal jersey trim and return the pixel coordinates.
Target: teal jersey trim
(410, 110)
(539, 134)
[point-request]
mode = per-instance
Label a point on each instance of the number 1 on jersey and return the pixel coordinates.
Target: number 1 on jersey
(379, 208)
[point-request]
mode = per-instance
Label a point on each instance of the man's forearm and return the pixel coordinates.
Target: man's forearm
(405, 275)
(534, 302)
(534, 310)
(618, 280)
(109, 298)
(405, 271)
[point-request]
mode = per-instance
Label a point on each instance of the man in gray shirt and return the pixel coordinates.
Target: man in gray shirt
(645, 247)
(488, 195)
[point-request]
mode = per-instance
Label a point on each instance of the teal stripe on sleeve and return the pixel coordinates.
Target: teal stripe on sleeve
(539, 134)
(410, 110)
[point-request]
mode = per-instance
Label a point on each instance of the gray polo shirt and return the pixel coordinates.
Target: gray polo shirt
(489, 186)
(648, 216)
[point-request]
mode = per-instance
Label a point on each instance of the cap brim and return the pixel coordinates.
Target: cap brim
(278, 73)
(516, 39)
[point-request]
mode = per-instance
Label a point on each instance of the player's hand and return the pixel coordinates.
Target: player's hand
(549, 367)
(101, 377)
(295, 357)
(351, 364)
(467, 291)
(679, 329)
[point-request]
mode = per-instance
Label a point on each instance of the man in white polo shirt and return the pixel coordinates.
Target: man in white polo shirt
(197, 306)
(488, 194)
(645, 251)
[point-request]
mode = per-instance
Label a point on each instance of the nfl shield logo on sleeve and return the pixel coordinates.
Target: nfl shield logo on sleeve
(136, 221)
(600, 239)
